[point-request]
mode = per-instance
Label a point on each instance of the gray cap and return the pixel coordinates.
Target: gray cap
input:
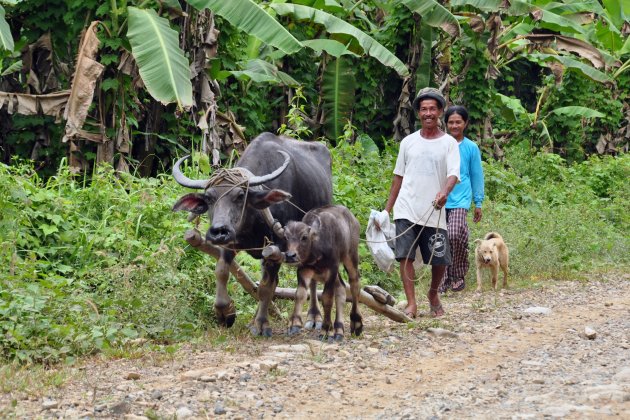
(428, 93)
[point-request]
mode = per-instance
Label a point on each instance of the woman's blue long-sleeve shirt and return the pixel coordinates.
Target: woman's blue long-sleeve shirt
(470, 186)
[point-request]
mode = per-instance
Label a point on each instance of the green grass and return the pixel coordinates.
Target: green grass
(93, 265)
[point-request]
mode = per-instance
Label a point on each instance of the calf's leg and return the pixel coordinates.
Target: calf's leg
(340, 300)
(304, 281)
(327, 301)
(314, 316)
(351, 264)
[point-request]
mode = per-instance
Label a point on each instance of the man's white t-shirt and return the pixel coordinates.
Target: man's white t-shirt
(424, 165)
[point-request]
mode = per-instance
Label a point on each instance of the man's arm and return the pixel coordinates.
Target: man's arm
(393, 193)
(442, 195)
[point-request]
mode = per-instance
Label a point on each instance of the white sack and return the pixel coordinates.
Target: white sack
(378, 235)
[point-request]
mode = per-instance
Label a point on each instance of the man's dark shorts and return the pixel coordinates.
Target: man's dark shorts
(431, 241)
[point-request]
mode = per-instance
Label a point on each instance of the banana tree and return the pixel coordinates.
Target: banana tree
(583, 37)
(431, 16)
(514, 111)
(162, 59)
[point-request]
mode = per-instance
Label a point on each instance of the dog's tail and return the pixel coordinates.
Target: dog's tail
(491, 235)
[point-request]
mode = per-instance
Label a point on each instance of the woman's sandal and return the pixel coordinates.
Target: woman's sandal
(458, 285)
(436, 310)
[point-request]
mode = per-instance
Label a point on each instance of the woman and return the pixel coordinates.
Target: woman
(470, 188)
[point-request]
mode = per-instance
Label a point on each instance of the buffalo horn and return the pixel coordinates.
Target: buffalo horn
(199, 184)
(257, 180)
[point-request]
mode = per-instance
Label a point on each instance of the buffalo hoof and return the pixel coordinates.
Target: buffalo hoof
(356, 324)
(229, 320)
(226, 321)
(254, 330)
(312, 325)
(338, 338)
(294, 330)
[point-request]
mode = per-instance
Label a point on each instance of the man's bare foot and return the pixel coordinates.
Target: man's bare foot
(411, 311)
(435, 306)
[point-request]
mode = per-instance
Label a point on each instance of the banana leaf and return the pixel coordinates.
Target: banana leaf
(6, 40)
(332, 47)
(511, 108)
(17, 66)
(578, 111)
(338, 93)
(327, 5)
(616, 11)
(566, 61)
(261, 71)
(483, 5)
(559, 23)
(163, 66)
(250, 18)
(424, 74)
(335, 25)
(434, 14)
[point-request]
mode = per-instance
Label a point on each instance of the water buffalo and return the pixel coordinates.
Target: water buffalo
(325, 238)
(287, 177)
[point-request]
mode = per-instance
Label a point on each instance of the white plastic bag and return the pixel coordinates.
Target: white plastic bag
(380, 236)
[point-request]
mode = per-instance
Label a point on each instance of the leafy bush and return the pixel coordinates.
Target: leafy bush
(88, 265)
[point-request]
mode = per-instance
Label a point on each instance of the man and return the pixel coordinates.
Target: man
(469, 189)
(427, 169)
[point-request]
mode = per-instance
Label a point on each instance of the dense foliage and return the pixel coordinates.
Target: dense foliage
(356, 63)
(92, 259)
(89, 265)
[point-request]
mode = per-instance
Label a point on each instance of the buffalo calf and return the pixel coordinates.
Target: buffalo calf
(326, 237)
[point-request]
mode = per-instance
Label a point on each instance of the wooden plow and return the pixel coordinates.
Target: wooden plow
(373, 297)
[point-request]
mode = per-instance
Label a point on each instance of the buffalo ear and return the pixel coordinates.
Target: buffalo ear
(263, 199)
(194, 202)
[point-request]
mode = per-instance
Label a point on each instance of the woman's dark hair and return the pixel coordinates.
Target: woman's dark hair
(456, 109)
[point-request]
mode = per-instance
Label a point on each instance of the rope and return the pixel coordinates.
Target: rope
(432, 209)
(231, 177)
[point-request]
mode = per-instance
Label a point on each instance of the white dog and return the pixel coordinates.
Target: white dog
(492, 253)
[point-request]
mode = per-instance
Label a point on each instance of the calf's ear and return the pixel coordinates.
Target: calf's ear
(313, 230)
(315, 224)
(263, 199)
(194, 202)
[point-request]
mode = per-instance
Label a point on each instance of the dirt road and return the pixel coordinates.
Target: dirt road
(489, 357)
